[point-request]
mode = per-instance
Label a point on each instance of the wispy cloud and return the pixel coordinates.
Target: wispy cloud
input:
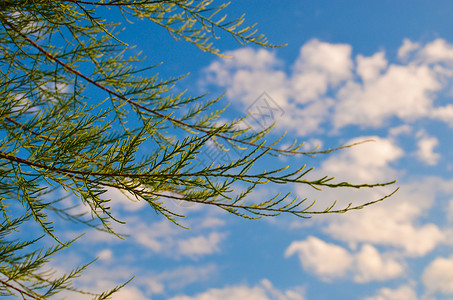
(438, 276)
(404, 292)
(426, 145)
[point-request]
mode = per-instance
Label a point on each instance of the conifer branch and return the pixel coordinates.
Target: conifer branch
(245, 177)
(167, 117)
(57, 57)
(21, 291)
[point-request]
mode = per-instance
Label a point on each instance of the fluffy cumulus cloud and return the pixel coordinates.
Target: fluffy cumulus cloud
(262, 291)
(371, 265)
(327, 84)
(370, 68)
(321, 258)
(426, 145)
(369, 161)
(438, 276)
(401, 91)
(319, 66)
(438, 51)
(407, 48)
(394, 222)
(329, 261)
(247, 72)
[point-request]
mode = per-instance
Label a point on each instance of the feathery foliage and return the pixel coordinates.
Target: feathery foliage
(75, 108)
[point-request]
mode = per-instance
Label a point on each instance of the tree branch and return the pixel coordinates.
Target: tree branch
(167, 117)
(22, 292)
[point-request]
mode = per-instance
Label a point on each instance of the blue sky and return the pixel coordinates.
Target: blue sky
(351, 71)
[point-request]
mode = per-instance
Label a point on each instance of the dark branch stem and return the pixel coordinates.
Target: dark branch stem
(246, 177)
(19, 290)
(74, 173)
(25, 128)
(277, 210)
(179, 122)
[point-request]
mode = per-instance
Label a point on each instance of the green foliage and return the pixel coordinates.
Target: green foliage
(57, 132)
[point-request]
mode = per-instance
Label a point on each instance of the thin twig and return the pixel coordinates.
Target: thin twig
(19, 290)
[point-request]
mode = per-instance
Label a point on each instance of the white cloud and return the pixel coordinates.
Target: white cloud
(200, 245)
(372, 266)
(145, 284)
(323, 259)
(333, 60)
(400, 130)
(438, 51)
(252, 59)
(406, 91)
(319, 66)
(392, 223)
(322, 82)
(364, 163)
(166, 238)
(401, 91)
(407, 48)
(369, 68)
(129, 293)
(367, 162)
(124, 200)
(443, 113)
(404, 292)
(425, 152)
(247, 74)
(330, 261)
(438, 276)
(233, 293)
(98, 278)
(210, 222)
(263, 291)
(158, 236)
(105, 255)
(248, 85)
(177, 278)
